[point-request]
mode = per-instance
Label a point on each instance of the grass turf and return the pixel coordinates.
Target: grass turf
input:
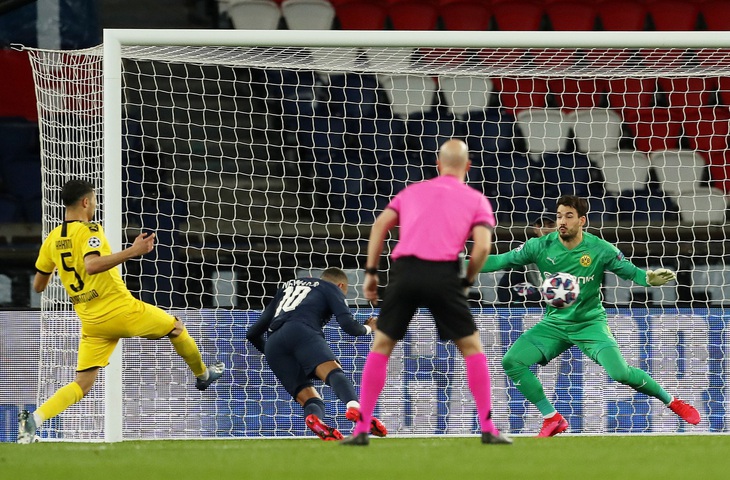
(581, 457)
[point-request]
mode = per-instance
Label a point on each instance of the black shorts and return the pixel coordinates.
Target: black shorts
(418, 283)
(293, 352)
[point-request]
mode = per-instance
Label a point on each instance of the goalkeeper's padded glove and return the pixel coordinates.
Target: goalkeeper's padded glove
(660, 276)
(525, 289)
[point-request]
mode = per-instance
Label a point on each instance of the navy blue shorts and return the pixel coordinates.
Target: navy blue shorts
(293, 352)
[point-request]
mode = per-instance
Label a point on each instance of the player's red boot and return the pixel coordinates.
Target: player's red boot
(553, 425)
(321, 430)
(376, 426)
(687, 412)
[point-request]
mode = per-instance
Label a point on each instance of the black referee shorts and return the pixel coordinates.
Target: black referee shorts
(418, 283)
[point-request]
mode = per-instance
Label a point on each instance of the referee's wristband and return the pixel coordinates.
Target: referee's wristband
(371, 270)
(368, 330)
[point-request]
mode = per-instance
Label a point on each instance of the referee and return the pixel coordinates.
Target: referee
(436, 217)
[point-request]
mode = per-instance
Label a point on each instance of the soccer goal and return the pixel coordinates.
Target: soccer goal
(258, 156)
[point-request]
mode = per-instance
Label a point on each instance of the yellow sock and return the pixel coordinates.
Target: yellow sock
(186, 347)
(60, 401)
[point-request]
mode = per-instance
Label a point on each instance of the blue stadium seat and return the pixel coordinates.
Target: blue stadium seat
(380, 135)
(646, 206)
(425, 134)
(396, 169)
(18, 137)
(566, 174)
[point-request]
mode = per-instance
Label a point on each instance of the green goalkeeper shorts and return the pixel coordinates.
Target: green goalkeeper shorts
(552, 340)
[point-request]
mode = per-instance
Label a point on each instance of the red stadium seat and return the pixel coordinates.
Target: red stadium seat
(466, 15)
(622, 15)
(671, 15)
(654, 130)
(413, 15)
(517, 94)
(716, 15)
(723, 91)
(628, 95)
(708, 133)
(686, 95)
(362, 15)
(17, 94)
(569, 16)
(518, 15)
(577, 93)
(720, 170)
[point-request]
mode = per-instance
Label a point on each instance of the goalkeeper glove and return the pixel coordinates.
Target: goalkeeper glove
(660, 276)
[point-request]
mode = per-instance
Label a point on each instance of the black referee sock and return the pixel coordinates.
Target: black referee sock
(314, 406)
(341, 385)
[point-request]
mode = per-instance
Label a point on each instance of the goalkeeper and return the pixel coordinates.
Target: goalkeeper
(297, 351)
(586, 256)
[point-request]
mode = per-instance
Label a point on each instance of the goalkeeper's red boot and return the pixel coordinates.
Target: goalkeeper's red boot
(376, 426)
(321, 430)
(687, 412)
(553, 425)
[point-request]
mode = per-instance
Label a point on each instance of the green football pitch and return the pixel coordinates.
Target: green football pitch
(568, 457)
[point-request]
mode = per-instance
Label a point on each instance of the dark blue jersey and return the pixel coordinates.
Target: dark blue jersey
(308, 300)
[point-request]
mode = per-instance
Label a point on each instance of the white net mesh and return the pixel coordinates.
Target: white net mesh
(255, 165)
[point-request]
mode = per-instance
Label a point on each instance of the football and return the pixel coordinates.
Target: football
(560, 290)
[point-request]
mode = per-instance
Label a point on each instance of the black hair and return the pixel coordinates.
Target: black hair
(580, 204)
(75, 190)
(334, 275)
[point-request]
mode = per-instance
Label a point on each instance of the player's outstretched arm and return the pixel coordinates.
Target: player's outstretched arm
(660, 276)
(101, 263)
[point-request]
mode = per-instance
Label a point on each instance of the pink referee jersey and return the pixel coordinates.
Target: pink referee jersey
(436, 218)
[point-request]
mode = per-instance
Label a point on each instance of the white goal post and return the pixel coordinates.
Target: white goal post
(260, 178)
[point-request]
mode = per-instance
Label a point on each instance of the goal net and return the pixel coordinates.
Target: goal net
(257, 157)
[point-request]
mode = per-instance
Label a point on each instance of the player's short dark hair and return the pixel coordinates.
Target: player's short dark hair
(75, 190)
(334, 275)
(580, 204)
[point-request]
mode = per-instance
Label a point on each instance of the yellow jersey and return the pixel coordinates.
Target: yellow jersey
(93, 296)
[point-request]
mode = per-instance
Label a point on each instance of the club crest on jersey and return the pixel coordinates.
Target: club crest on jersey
(94, 242)
(585, 260)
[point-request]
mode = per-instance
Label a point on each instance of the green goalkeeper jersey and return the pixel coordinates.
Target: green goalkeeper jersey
(587, 262)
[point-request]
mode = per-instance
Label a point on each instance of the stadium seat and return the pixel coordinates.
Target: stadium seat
(361, 15)
(465, 93)
(654, 130)
(409, 94)
(708, 132)
(413, 15)
(720, 170)
(707, 206)
(518, 94)
(625, 172)
(716, 15)
(622, 15)
(465, 15)
(518, 15)
(486, 285)
(10, 210)
(426, 133)
(678, 171)
(566, 174)
(577, 93)
(713, 281)
(308, 14)
(673, 15)
(681, 175)
(628, 95)
(544, 130)
(571, 15)
(686, 95)
(595, 130)
(254, 14)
